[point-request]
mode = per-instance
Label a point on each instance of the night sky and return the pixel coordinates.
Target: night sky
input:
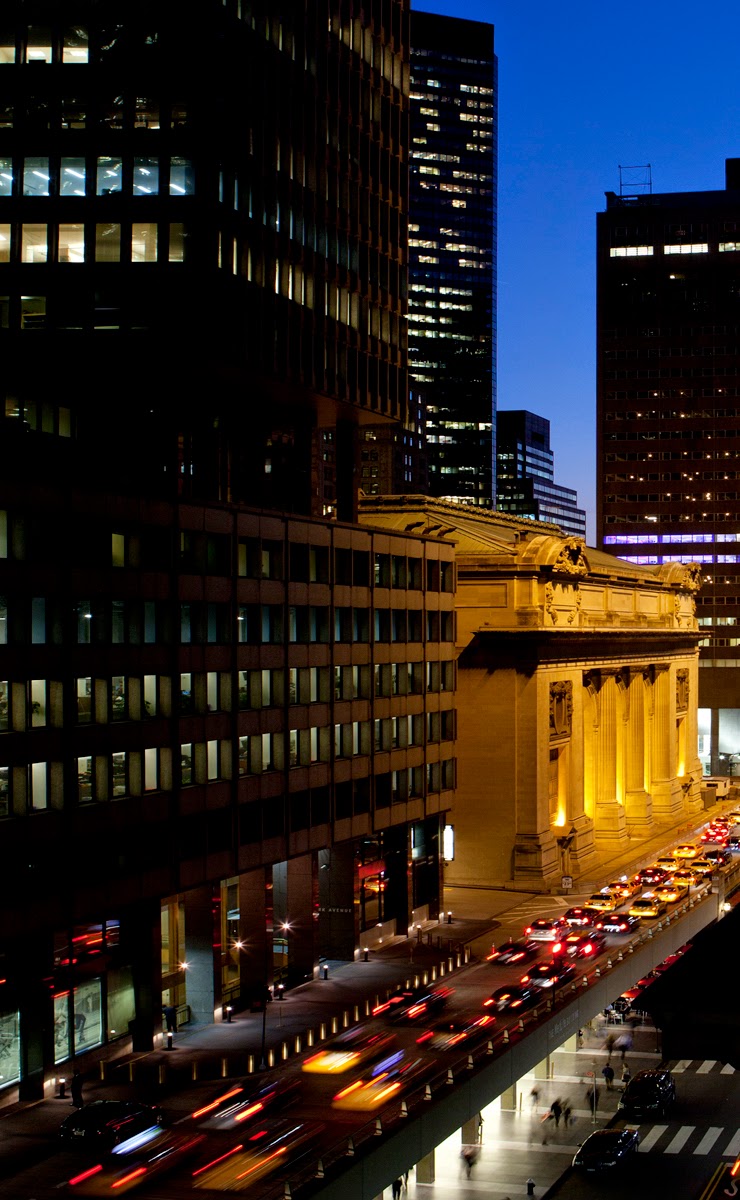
(583, 87)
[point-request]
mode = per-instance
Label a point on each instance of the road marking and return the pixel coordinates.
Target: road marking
(683, 1064)
(710, 1137)
(680, 1140)
(647, 1142)
(732, 1149)
(706, 1066)
(727, 1070)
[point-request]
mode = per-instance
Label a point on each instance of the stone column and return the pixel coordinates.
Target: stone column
(255, 958)
(637, 800)
(202, 986)
(469, 1131)
(425, 1169)
(141, 942)
(666, 791)
(293, 895)
(509, 1098)
(609, 815)
(693, 762)
(338, 936)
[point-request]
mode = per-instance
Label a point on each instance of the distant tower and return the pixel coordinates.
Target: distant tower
(525, 473)
(452, 250)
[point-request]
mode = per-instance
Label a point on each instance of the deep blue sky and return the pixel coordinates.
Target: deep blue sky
(583, 87)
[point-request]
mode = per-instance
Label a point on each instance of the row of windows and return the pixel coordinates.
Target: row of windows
(122, 622)
(675, 435)
(35, 703)
(101, 176)
(139, 241)
(628, 539)
(257, 558)
(672, 519)
(671, 456)
(38, 786)
(671, 248)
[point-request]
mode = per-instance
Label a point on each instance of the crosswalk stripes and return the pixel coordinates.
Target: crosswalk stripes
(706, 1066)
(648, 1141)
(710, 1137)
(732, 1149)
(727, 1070)
(679, 1140)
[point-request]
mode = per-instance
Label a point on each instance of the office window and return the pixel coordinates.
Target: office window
(213, 749)
(7, 46)
(38, 789)
(687, 248)
(108, 176)
(4, 243)
(4, 705)
(118, 703)
(118, 622)
(182, 179)
(151, 769)
(36, 177)
(38, 620)
(34, 244)
(37, 703)
(75, 47)
(146, 177)
(38, 45)
(33, 312)
(119, 773)
(6, 176)
(107, 243)
(144, 241)
(4, 791)
(146, 113)
(3, 533)
(74, 113)
(71, 244)
(85, 780)
(84, 697)
(630, 251)
(186, 764)
(176, 244)
(72, 177)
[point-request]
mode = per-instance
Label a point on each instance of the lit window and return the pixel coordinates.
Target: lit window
(108, 176)
(34, 244)
(75, 47)
(182, 180)
(144, 241)
(107, 243)
(687, 248)
(71, 244)
(630, 251)
(36, 177)
(725, 246)
(146, 177)
(38, 47)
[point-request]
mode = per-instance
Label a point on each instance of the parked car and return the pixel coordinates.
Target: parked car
(648, 1094)
(606, 1149)
(103, 1124)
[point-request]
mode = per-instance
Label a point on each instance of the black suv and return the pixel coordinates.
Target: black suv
(648, 1094)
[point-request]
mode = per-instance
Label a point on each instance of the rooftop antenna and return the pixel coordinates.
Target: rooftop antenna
(636, 181)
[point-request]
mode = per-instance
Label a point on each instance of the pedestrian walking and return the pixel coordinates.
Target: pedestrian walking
(608, 1073)
(469, 1155)
(626, 1074)
(592, 1098)
(567, 1112)
(609, 1041)
(76, 1090)
(396, 1188)
(405, 1181)
(556, 1109)
(534, 1096)
(169, 1012)
(623, 1044)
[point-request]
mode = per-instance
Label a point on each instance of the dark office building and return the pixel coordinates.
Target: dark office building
(213, 682)
(525, 474)
(452, 250)
(668, 421)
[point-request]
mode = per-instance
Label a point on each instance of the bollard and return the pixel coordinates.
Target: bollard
(428, 1092)
(194, 1071)
(297, 1044)
(458, 959)
(505, 1038)
(434, 974)
(366, 955)
(442, 970)
(530, 1186)
(287, 1190)
(378, 1127)
(131, 1066)
(367, 1008)
(450, 1076)
(62, 1089)
(322, 1031)
(345, 1019)
(320, 1169)
(309, 1037)
(350, 1146)
(425, 978)
(334, 1025)
(356, 1013)
(450, 963)
(520, 1026)
(170, 1039)
(101, 1066)
(471, 1064)
(284, 1051)
(404, 1109)
(224, 1068)
(324, 972)
(250, 1064)
(489, 1047)
(161, 1074)
(281, 991)
(467, 954)
(271, 1057)
(228, 1009)
(449, 918)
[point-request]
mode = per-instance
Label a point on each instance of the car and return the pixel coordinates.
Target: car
(601, 902)
(720, 856)
(606, 1149)
(350, 1049)
(578, 918)
(545, 929)
(385, 1082)
(652, 875)
(462, 1032)
(514, 997)
(413, 1004)
(103, 1124)
(705, 866)
(669, 892)
(241, 1103)
(583, 944)
(270, 1146)
(733, 842)
(617, 923)
(668, 863)
(624, 888)
(137, 1161)
(716, 835)
(549, 975)
(685, 850)
(512, 953)
(647, 906)
(684, 878)
(648, 1094)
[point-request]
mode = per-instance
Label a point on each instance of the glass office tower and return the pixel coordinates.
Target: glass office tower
(525, 473)
(452, 250)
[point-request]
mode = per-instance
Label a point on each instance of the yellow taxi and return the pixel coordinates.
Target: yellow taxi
(601, 902)
(624, 888)
(686, 879)
(704, 866)
(668, 862)
(647, 905)
(350, 1049)
(669, 892)
(685, 851)
(391, 1077)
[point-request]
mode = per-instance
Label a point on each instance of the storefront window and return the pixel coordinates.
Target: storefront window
(10, 1049)
(61, 1027)
(88, 1030)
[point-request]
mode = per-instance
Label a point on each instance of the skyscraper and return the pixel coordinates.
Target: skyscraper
(208, 688)
(452, 250)
(668, 415)
(525, 473)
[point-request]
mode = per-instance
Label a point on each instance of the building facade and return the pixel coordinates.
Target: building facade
(525, 475)
(576, 697)
(213, 683)
(452, 250)
(668, 423)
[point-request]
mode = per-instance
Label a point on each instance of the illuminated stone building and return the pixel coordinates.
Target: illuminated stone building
(668, 415)
(576, 696)
(209, 690)
(452, 250)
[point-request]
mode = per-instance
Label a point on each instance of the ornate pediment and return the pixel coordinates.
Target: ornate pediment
(572, 559)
